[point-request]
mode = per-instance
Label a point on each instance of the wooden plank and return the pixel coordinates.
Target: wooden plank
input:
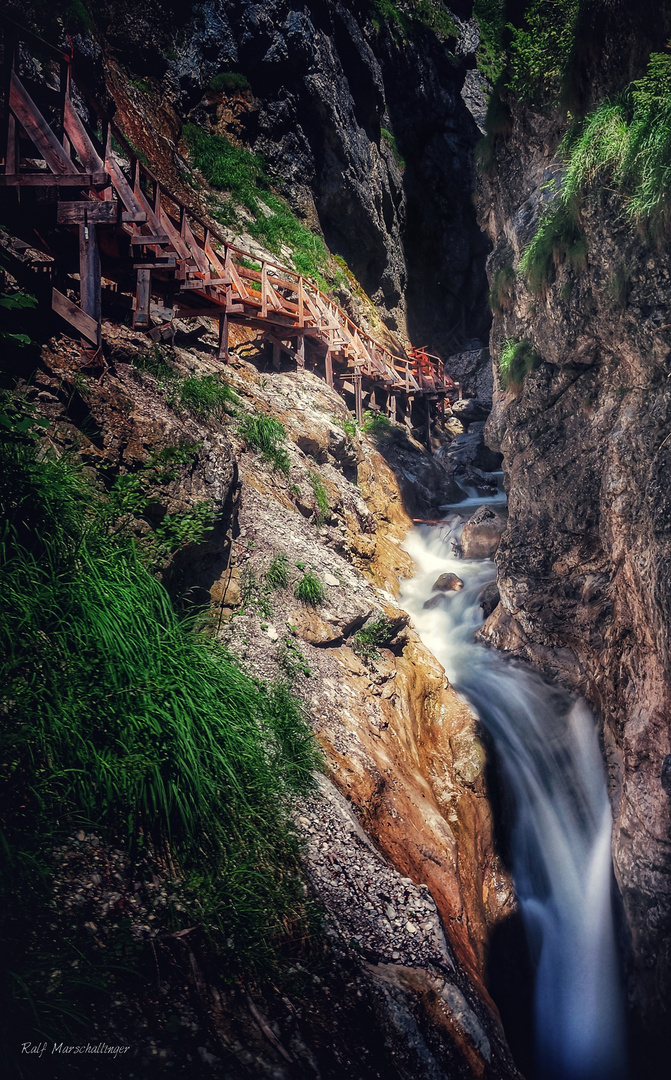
(168, 263)
(37, 129)
(195, 248)
(49, 179)
(165, 221)
(83, 323)
(204, 284)
(91, 212)
(79, 137)
(123, 188)
(142, 298)
(264, 291)
(11, 154)
(329, 368)
(154, 240)
(301, 308)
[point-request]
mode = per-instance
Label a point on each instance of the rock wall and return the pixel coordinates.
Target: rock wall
(585, 563)
(360, 120)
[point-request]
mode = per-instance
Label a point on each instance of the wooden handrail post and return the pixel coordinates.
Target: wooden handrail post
(223, 338)
(329, 367)
(358, 402)
(9, 132)
(301, 309)
(89, 274)
(300, 351)
(65, 94)
(264, 291)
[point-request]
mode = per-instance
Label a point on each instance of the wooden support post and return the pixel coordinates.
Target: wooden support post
(301, 303)
(9, 132)
(264, 291)
(329, 368)
(65, 94)
(428, 423)
(391, 405)
(223, 338)
(142, 299)
(407, 376)
(300, 350)
(358, 403)
(89, 273)
(277, 352)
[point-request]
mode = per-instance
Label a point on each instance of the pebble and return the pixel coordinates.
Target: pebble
(330, 579)
(272, 633)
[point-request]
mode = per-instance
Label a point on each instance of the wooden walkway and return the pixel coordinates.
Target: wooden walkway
(139, 247)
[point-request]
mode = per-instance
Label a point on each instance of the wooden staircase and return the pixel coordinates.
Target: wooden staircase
(140, 248)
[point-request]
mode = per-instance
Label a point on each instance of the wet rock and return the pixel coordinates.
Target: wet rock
(481, 533)
(489, 598)
(447, 583)
(437, 601)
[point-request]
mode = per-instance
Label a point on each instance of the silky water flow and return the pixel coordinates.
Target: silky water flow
(548, 753)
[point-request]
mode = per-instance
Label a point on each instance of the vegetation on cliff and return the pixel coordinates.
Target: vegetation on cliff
(119, 716)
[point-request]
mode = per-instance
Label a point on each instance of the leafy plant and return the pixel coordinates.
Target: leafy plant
(490, 56)
(321, 498)
(206, 395)
(176, 531)
(16, 302)
(517, 359)
(381, 429)
(291, 659)
(541, 51)
(310, 590)
(277, 574)
(349, 426)
(266, 434)
(377, 632)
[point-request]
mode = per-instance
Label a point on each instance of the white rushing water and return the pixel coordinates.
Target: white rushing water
(548, 752)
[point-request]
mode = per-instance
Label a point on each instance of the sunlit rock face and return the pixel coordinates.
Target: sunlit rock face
(585, 562)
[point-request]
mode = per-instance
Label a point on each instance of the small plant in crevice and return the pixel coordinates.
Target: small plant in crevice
(266, 434)
(180, 530)
(291, 659)
(228, 80)
(381, 429)
(255, 593)
(349, 426)
(321, 499)
(277, 574)
(376, 634)
(517, 359)
(310, 590)
(502, 291)
(390, 140)
(617, 289)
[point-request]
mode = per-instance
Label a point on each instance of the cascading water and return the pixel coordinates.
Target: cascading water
(547, 747)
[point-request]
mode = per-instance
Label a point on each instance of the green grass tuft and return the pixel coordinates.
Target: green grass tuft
(517, 359)
(391, 141)
(206, 395)
(377, 633)
(381, 429)
(321, 498)
(228, 80)
(501, 294)
(277, 574)
(559, 239)
(266, 434)
(117, 714)
(310, 590)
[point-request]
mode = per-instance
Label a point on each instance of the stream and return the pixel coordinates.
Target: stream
(548, 755)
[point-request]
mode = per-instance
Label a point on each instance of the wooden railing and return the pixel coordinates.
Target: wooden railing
(170, 255)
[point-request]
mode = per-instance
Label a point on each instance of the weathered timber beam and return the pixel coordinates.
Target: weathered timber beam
(54, 180)
(37, 129)
(74, 315)
(87, 212)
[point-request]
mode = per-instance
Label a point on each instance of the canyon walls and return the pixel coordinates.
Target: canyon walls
(585, 563)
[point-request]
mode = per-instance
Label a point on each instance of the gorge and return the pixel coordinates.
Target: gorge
(273, 804)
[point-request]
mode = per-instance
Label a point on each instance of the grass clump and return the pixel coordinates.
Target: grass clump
(381, 429)
(559, 239)
(116, 713)
(431, 14)
(228, 80)
(266, 434)
(517, 359)
(390, 140)
(321, 498)
(501, 294)
(277, 574)
(242, 174)
(310, 590)
(206, 395)
(377, 633)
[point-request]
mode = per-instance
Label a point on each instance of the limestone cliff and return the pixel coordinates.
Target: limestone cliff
(584, 562)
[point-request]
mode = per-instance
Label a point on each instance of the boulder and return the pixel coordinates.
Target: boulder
(482, 532)
(436, 601)
(448, 583)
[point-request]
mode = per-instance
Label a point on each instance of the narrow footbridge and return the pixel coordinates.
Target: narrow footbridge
(118, 241)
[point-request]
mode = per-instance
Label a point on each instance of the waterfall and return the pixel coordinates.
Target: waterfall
(547, 749)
